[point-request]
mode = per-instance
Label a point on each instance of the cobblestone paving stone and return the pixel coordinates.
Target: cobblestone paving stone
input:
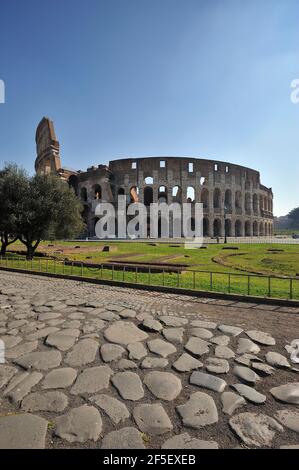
(107, 367)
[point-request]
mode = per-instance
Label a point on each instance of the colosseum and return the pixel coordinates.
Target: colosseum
(235, 203)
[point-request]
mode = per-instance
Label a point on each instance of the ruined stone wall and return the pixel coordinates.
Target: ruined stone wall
(234, 199)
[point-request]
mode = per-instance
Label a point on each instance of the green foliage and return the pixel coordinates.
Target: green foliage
(33, 209)
(294, 216)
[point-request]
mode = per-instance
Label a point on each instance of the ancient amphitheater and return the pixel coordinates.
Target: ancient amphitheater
(235, 202)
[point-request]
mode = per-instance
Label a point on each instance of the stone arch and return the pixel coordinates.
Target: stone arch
(217, 228)
(247, 204)
(238, 201)
(228, 227)
(238, 228)
(148, 196)
(97, 191)
(177, 194)
(83, 194)
(216, 198)
(247, 228)
(205, 228)
(149, 180)
(261, 231)
(134, 194)
(121, 192)
(204, 198)
(190, 194)
(162, 194)
(255, 229)
(228, 200)
(255, 204)
(73, 183)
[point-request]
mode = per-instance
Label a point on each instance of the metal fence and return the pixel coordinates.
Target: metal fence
(180, 278)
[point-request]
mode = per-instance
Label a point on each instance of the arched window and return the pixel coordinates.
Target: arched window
(162, 194)
(217, 228)
(217, 195)
(238, 228)
(247, 204)
(228, 200)
(148, 196)
(97, 191)
(149, 180)
(247, 229)
(190, 194)
(204, 198)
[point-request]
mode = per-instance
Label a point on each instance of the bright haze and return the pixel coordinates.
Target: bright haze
(124, 78)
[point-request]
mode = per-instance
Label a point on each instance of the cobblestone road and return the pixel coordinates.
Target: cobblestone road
(107, 367)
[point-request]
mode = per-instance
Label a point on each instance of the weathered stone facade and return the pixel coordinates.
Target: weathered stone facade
(234, 200)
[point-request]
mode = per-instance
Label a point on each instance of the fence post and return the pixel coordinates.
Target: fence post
(248, 285)
(124, 269)
(136, 273)
(229, 283)
(163, 277)
(47, 265)
(291, 288)
(112, 273)
(101, 271)
(194, 280)
(40, 265)
(149, 276)
(211, 280)
(178, 285)
(72, 268)
(269, 286)
(63, 266)
(81, 269)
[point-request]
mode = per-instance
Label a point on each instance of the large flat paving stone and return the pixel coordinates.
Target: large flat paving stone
(261, 337)
(223, 352)
(125, 438)
(186, 363)
(79, 424)
(184, 441)
(289, 418)
(161, 348)
(64, 339)
(124, 333)
(115, 409)
(150, 362)
(255, 429)
(199, 411)
(23, 431)
(174, 335)
(173, 321)
(230, 330)
(217, 365)
(202, 333)
(245, 345)
(277, 360)
(41, 360)
(84, 352)
(92, 380)
(209, 381)
(6, 373)
(111, 352)
(163, 385)
(137, 351)
(60, 378)
(230, 402)
(49, 401)
(152, 419)
(250, 393)
(246, 374)
(21, 349)
(197, 346)
(21, 385)
(288, 393)
(128, 385)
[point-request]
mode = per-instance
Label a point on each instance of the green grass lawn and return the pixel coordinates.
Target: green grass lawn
(229, 266)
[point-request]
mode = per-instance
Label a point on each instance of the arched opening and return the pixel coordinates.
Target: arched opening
(149, 180)
(162, 194)
(228, 200)
(134, 192)
(255, 204)
(190, 194)
(255, 229)
(205, 198)
(247, 229)
(205, 228)
(238, 228)
(238, 202)
(217, 228)
(228, 228)
(83, 194)
(97, 191)
(121, 192)
(262, 233)
(148, 196)
(216, 198)
(247, 204)
(73, 183)
(177, 194)
(266, 229)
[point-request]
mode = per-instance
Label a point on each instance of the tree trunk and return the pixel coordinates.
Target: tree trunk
(3, 249)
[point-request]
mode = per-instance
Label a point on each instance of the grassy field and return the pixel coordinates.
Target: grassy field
(235, 270)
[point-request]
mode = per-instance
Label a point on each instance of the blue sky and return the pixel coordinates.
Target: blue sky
(206, 78)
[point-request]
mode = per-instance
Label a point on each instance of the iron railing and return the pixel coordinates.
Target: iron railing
(156, 275)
